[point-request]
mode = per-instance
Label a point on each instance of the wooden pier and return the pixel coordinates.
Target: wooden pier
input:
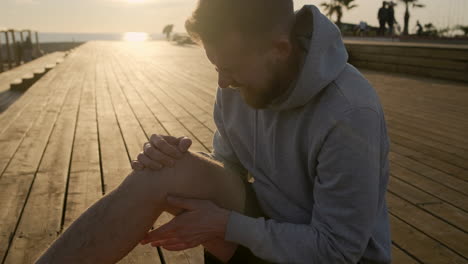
(70, 138)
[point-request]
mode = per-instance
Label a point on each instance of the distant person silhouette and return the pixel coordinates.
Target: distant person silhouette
(390, 17)
(27, 50)
(420, 28)
(362, 28)
(383, 17)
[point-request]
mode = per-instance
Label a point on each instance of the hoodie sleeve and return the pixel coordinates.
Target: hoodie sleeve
(345, 196)
(222, 148)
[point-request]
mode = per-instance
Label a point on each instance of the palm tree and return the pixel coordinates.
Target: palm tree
(336, 7)
(415, 4)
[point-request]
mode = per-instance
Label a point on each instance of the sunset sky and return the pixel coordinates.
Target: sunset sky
(115, 16)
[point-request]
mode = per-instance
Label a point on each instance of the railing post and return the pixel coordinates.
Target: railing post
(38, 48)
(15, 47)
(1, 58)
(8, 51)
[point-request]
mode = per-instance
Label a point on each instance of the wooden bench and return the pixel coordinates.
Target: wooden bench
(438, 61)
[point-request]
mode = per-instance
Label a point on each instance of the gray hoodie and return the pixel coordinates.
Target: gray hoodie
(318, 157)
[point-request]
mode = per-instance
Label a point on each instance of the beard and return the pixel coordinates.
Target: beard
(262, 96)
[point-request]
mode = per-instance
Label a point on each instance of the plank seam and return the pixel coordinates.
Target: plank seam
(65, 197)
(407, 252)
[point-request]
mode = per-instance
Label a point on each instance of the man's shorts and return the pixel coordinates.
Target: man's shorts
(243, 255)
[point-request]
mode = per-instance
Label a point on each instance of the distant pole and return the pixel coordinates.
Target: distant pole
(1, 58)
(38, 48)
(21, 36)
(8, 50)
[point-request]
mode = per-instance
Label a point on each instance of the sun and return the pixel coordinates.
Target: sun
(136, 36)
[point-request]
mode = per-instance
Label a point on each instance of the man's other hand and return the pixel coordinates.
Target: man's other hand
(161, 151)
(201, 221)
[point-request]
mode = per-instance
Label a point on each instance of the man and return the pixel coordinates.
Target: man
(382, 16)
(391, 18)
(302, 128)
(420, 30)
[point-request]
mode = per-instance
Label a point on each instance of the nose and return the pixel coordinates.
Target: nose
(223, 80)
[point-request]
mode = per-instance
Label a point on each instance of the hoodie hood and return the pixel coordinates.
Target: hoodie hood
(326, 58)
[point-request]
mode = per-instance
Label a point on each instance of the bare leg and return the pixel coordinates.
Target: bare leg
(113, 226)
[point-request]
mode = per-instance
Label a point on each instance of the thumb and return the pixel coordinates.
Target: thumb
(184, 144)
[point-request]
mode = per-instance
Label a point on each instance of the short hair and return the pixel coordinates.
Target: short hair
(212, 19)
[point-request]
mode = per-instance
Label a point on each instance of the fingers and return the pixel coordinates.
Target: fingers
(161, 151)
(171, 140)
(181, 244)
(157, 156)
(148, 163)
(184, 143)
(163, 232)
(136, 165)
(162, 145)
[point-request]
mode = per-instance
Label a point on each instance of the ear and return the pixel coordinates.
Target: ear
(282, 46)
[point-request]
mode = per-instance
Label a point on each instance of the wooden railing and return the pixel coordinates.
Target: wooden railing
(10, 55)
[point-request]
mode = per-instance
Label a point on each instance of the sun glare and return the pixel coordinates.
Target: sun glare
(135, 1)
(136, 36)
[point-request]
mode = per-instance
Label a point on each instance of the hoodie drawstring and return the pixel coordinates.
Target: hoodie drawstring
(251, 179)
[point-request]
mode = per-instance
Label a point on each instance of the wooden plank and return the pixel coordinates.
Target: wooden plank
(15, 130)
(428, 123)
(441, 178)
(424, 62)
(454, 144)
(181, 110)
(433, 104)
(16, 181)
(429, 203)
(442, 192)
(453, 238)
(185, 111)
(134, 139)
(39, 89)
(415, 51)
(41, 220)
(408, 69)
(158, 108)
(186, 93)
(437, 151)
(187, 256)
(114, 157)
(399, 256)
(84, 183)
(135, 102)
(426, 249)
(426, 158)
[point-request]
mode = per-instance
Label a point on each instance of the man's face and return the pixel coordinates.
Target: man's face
(254, 72)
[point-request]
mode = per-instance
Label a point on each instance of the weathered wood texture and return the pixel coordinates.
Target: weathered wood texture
(70, 139)
(432, 60)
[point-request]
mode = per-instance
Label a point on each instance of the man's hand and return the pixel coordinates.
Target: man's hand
(201, 222)
(161, 151)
